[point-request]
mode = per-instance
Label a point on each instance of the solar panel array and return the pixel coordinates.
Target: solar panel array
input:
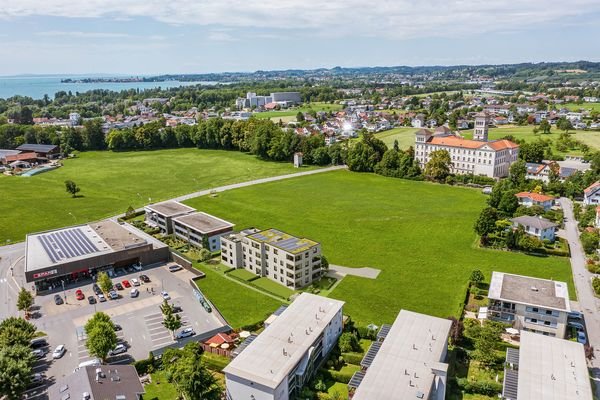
(66, 243)
(370, 356)
(512, 356)
(356, 379)
(511, 383)
(383, 332)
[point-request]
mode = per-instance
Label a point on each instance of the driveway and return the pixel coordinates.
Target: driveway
(588, 303)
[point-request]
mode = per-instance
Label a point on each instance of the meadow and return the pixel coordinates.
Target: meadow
(112, 181)
(291, 112)
(419, 234)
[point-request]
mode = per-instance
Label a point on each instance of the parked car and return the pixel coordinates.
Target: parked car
(59, 351)
(575, 315)
(176, 309)
(58, 300)
(175, 268)
(96, 289)
(120, 348)
(134, 292)
(118, 286)
(165, 295)
(126, 283)
(37, 378)
(144, 278)
(117, 327)
(137, 267)
(113, 295)
(91, 300)
(135, 282)
(581, 338)
(187, 332)
(101, 298)
(38, 353)
(79, 294)
(578, 326)
(38, 343)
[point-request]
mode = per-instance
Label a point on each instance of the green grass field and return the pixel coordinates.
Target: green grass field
(419, 234)
(404, 136)
(242, 274)
(317, 106)
(110, 182)
(273, 287)
(239, 305)
(582, 106)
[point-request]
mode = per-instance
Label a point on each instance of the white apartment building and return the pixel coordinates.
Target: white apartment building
(478, 156)
(530, 304)
(283, 258)
(284, 357)
(162, 214)
(408, 364)
(546, 368)
(201, 229)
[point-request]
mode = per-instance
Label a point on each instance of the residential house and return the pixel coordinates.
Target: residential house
(591, 194)
(232, 253)
(530, 199)
(418, 121)
(529, 304)
(539, 227)
(161, 215)
(201, 229)
(409, 358)
(287, 354)
(546, 368)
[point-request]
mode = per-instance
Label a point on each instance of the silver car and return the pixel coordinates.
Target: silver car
(59, 351)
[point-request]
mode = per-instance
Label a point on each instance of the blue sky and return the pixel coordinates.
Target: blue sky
(186, 36)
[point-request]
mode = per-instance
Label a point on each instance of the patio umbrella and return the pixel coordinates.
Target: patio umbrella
(244, 334)
(225, 346)
(512, 331)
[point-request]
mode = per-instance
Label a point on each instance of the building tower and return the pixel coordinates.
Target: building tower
(481, 127)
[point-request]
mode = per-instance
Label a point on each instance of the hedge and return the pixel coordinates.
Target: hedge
(353, 358)
(338, 376)
(486, 388)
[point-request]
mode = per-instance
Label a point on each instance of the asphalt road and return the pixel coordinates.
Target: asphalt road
(588, 302)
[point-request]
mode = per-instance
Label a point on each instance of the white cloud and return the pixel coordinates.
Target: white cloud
(220, 36)
(393, 19)
(81, 34)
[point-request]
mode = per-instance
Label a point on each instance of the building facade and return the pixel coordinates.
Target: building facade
(591, 194)
(161, 215)
(201, 230)
(477, 157)
(286, 355)
(283, 258)
(539, 227)
(530, 199)
(530, 304)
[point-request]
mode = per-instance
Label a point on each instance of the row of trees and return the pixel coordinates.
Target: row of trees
(16, 359)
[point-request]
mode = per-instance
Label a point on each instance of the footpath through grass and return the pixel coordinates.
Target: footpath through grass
(419, 234)
(112, 181)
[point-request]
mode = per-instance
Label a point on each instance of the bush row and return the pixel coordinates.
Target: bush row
(486, 388)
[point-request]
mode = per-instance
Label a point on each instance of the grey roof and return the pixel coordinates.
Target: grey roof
(536, 222)
(38, 148)
(415, 346)
(530, 291)
(203, 222)
(552, 369)
(566, 172)
(114, 382)
(170, 208)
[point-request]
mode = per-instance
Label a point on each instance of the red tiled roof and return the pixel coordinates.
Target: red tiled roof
(20, 157)
(219, 339)
(454, 141)
(503, 144)
(591, 187)
(535, 196)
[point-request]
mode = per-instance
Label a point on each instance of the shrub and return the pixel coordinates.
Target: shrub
(352, 358)
(596, 285)
(486, 388)
(589, 241)
(348, 342)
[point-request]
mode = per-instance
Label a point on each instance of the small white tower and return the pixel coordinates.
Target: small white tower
(481, 127)
(297, 160)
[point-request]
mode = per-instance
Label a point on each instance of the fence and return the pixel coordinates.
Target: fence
(216, 350)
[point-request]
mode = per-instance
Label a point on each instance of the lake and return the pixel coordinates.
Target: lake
(37, 86)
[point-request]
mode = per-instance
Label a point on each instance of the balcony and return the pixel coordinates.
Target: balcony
(499, 308)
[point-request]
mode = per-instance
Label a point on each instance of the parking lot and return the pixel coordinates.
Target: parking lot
(140, 319)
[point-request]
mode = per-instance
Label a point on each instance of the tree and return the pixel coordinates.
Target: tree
(545, 126)
(324, 263)
(300, 116)
(72, 188)
(348, 342)
(564, 124)
(15, 370)
(16, 331)
(476, 277)
(24, 300)
(508, 203)
(105, 282)
(438, 166)
(172, 322)
(518, 172)
(486, 223)
(456, 330)
(205, 254)
(101, 339)
(485, 343)
(189, 373)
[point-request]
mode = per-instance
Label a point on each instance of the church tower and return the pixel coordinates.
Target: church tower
(481, 127)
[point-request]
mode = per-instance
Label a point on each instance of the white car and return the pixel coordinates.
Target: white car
(137, 267)
(175, 268)
(59, 351)
(120, 348)
(165, 295)
(134, 293)
(581, 338)
(101, 298)
(135, 282)
(187, 332)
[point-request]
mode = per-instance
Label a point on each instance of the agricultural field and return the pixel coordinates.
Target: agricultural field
(584, 106)
(291, 112)
(419, 234)
(112, 181)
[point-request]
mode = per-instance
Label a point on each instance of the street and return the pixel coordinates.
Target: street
(588, 302)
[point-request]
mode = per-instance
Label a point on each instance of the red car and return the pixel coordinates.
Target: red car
(126, 283)
(79, 294)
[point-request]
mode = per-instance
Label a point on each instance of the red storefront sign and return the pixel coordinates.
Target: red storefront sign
(45, 274)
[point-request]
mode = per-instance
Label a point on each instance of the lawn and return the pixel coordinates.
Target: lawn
(584, 106)
(404, 136)
(273, 287)
(241, 306)
(242, 274)
(112, 181)
(160, 388)
(317, 106)
(419, 234)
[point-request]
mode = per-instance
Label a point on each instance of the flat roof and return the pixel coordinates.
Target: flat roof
(203, 222)
(115, 381)
(415, 345)
(45, 249)
(530, 291)
(552, 369)
(283, 241)
(281, 346)
(170, 208)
